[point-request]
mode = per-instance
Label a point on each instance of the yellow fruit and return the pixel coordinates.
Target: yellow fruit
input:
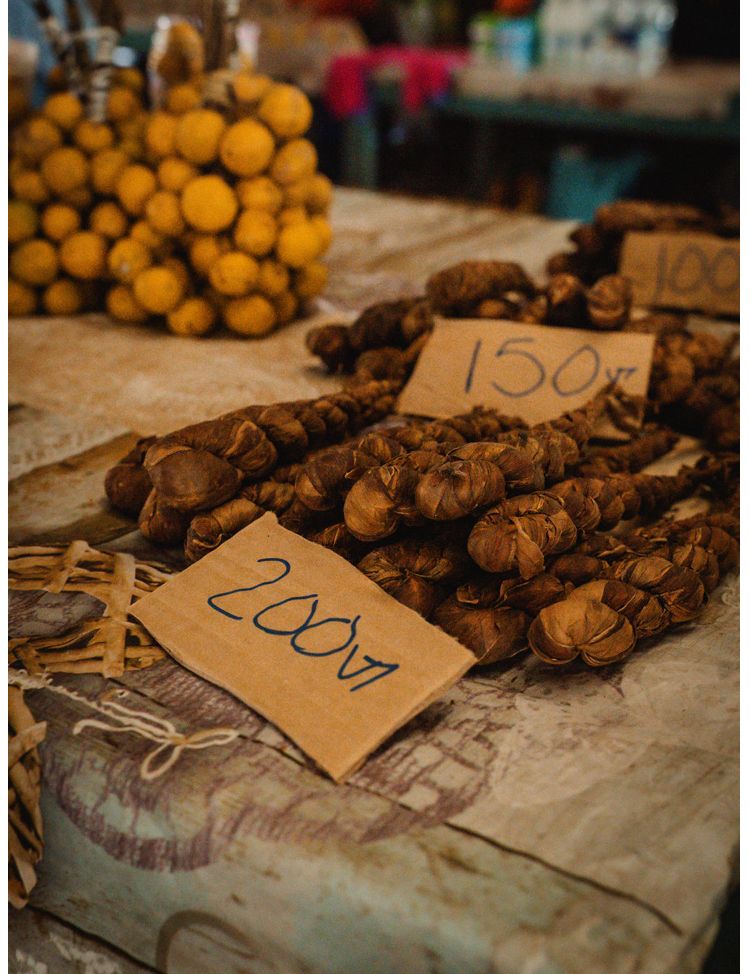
(208, 204)
(174, 174)
(206, 249)
(22, 221)
(198, 135)
(180, 270)
(35, 139)
(79, 198)
(122, 103)
(298, 244)
(164, 215)
(260, 193)
(34, 262)
(295, 194)
(64, 109)
(63, 297)
(294, 161)
(246, 148)
(286, 111)
(130, 78)
(182, 98)
(134, 186)
(106, 167)
(84, 255)
(133, 128)
(253, 316)
(311, 280)
(195, 316)
(158, 290)
(292, 214)
(60, 220)
(323, 230)
(21, 299)
(65, 169)
(233, 274)
(121, 304)
(93, 136)
(250, 88)
(109, 220)
(255, 232)
(145, 233)
(127, 259)
(160, 134)
(285, 306)
(27, 184)
(319, 193)
(273, 278)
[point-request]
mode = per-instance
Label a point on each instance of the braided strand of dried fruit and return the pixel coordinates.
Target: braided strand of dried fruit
(646, 446)
(208, 530)
(521, 532)
(127, 484)
(461, 289)
(203, 465)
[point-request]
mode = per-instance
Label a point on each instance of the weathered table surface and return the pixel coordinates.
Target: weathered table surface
(529, 823)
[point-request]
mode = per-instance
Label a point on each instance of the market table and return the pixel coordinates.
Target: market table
(529, 822)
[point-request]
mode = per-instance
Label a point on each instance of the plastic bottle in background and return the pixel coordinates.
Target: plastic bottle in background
(657, 20)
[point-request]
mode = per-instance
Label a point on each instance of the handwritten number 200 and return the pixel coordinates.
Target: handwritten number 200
(296, 633)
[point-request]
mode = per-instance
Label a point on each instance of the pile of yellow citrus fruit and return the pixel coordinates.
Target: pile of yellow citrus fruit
(191, 214)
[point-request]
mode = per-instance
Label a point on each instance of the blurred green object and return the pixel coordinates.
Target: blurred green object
(579, 183)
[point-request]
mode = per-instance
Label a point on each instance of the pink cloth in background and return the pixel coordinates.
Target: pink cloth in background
(426, 76)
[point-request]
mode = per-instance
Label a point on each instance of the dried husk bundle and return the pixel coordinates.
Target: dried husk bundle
(581, 627)
(460, 289)
(608, 302)
(417, 572)
(25, 826)
(491, 633)
(127, 484)
(680, 589)
(646, 446)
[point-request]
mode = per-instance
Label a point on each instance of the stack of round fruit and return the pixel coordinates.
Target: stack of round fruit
(192, 214)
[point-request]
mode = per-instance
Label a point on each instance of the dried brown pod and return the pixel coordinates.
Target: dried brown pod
(207, 531)
(461, 288)
(520, 473)
(566, 300)
(458, 488)
(531, 594)
(672, 375)
(565, 262)
(657, 323)
(415, 573)
(534, 312)
(624, 215)
(583, 627)
(715, 539)
(331, 344)
(588, 239)
(492, 634)
(374, 505)
(322, 481)
(337, 537)
(646, 446)
(700, 560)
(608, 302)
(723, 427)
(645, 613)
(577, 568)
(382, 363)
(591, 502)
(497, 308)
(160, 523)
(518, 534)
(551, 450)
(380, 325)
(417, 321)
(680, 589)
(127, 484)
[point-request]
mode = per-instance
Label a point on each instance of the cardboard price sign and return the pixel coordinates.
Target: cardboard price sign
(696, 271)
(534, 371)
(305, 639)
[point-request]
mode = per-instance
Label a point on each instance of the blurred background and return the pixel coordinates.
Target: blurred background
(552, 107)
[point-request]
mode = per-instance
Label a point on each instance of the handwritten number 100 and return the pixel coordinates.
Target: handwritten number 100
(297, 633)
(511, 349)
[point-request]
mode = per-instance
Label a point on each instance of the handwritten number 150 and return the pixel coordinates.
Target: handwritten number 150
(584, 360)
